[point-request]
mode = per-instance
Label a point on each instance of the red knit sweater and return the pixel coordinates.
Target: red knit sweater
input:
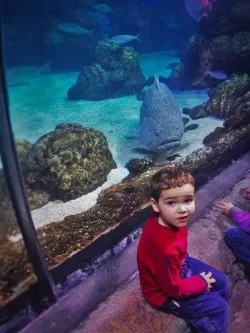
(161, 252)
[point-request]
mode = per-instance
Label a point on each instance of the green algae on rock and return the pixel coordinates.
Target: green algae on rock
(69, 162)
(116, 72)
(222, 101)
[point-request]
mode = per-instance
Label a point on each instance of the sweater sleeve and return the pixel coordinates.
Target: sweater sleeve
(241, 218)
(173, 285)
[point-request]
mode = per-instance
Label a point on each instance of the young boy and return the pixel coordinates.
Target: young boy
(170, 279)
(238, 238)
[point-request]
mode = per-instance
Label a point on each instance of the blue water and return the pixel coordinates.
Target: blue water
(38, 103)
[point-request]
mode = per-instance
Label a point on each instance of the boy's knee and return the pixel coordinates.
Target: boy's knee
(231, 235)
(217, 315)
(222, 310)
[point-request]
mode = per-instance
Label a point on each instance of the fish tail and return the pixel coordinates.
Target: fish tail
(157, 81)
(137, 37)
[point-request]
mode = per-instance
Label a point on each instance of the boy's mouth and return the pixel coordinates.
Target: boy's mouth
(183, 218)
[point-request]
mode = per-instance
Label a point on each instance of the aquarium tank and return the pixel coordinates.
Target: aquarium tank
(101, 94)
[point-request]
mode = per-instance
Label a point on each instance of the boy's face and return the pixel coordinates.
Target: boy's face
(175, 206)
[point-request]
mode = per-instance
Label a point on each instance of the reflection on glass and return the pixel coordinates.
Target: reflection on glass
(98, 90)
(16, 273)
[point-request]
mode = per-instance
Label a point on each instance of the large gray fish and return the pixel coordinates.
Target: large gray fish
(161, 124)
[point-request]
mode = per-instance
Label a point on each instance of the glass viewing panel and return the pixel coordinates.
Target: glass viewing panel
(80, 75)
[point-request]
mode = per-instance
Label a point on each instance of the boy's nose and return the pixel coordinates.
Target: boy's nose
(182, 209)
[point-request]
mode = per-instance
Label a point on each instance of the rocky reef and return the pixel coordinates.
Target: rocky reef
(230, 101)
(116, 72)
(63, 164)
(225, 100)
(222, 43)
(69, 162)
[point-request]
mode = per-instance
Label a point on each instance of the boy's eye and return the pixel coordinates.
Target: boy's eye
(189, 200)
(170, 203)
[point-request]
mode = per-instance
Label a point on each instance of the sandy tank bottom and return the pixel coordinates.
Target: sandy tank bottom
(38, 103)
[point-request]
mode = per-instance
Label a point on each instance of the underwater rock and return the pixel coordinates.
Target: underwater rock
(35, 198)
(240, 112)
(214, 136)
(115, 73)
(138, 165)
(232, 52)
(69, 162)
(196, 112)
(22, 149)
(227, 100)
(223, 96)
(224, 52)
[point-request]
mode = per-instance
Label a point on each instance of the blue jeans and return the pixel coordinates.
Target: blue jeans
(239, 243)
(209, 311)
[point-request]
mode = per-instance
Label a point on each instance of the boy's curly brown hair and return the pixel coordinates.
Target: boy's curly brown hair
(169, 177)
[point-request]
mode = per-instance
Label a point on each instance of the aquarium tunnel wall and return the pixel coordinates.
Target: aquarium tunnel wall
(96, 96)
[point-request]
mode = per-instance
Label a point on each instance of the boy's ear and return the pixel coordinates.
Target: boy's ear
(154, 205)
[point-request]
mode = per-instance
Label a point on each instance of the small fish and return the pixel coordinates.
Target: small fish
(197, 9)
(199, 79)
(123, 39)
(73, 28)
(101, 7)
(220, 75)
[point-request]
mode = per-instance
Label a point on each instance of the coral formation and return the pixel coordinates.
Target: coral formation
(138, 165)
(69, 162)
(116, 72)
(225, 100)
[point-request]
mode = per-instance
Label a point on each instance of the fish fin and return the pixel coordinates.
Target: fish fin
(197, 80)
(137, 37)
(185, 120)
(220, 75)
(157, 82)
(190, 127)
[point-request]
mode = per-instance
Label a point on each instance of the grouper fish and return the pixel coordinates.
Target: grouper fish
(161, 124)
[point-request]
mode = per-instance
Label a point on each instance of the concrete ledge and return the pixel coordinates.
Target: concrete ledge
(79, 302)
(127, 311)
